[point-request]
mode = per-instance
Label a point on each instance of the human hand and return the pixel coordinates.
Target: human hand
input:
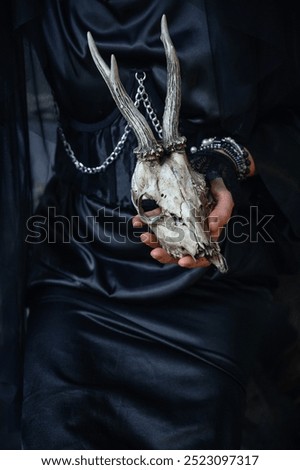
(217, 219)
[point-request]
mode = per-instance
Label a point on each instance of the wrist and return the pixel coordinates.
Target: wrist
(236, 154)
(252, 165)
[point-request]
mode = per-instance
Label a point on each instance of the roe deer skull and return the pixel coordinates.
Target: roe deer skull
(163, 173)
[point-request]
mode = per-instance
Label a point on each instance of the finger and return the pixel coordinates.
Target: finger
(153, 213)
(221, 213)
(190, 263)
(159, 254)
(149, 239)
(137, 222)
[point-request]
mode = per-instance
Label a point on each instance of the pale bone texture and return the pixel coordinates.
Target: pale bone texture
(163, 173)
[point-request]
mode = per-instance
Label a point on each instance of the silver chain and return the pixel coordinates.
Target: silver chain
(141, 96)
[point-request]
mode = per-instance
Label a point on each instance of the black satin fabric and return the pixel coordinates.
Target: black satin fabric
(96, 245)
(105, 375)
(131, 31)
(124, 352)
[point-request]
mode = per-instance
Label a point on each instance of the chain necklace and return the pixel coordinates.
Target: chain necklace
(140, 97)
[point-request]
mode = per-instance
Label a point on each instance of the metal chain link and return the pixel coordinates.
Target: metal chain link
(140, 96)
(141, 91)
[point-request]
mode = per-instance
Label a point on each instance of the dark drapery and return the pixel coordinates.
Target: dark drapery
(14, 209)
(273, 138)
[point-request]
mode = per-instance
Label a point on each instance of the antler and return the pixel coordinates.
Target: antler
(147, 145)
(171, 139)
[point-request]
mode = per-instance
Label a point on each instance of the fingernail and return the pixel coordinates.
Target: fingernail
(154, 255)
(183, 264)
(143, 237)
(137, 224)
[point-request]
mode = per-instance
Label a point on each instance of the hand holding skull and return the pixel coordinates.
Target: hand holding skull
(219, 217)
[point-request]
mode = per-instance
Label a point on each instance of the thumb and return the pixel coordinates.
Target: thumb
(221, 213)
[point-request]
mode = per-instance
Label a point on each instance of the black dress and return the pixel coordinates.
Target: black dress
(123, 352)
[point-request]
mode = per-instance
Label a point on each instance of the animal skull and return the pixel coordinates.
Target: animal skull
(163, 173)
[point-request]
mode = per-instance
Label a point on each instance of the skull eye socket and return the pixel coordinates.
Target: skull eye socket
(148, 205)
(149, 210)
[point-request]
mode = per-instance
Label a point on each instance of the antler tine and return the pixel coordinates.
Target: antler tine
(171, 138)
(148, 147)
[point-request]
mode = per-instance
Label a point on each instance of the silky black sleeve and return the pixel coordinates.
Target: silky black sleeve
(256, 52)
(275, 146)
